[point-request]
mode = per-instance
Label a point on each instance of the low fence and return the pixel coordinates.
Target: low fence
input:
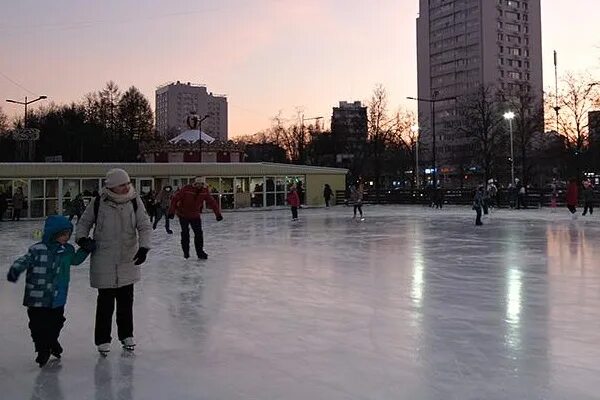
(533, 198)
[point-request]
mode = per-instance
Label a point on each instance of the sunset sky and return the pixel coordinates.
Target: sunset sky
(265, 55)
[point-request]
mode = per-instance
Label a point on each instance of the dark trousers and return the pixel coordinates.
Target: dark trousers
(326, 201)
(105, 308)
(478, 218)
(485, 207)
(294, 212)
(588, 206)
(358, 206)
(196, 224)
(160, 212)
(573, 209)
(2, 211)
(16, 214)
(45, 325)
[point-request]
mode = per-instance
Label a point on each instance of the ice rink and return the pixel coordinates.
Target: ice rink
(412, 303)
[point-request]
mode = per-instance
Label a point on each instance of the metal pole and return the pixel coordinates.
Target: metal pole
(512, 155)
(433, 134)
(25, 120)
(200, 139)
(417, 161)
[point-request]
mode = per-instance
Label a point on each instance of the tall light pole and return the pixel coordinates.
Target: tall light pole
(434, 99)
(509, 116)
(415, 129)
(26, 103)
(200, 133)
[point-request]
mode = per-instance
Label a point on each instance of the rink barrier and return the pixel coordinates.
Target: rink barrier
(534, 198)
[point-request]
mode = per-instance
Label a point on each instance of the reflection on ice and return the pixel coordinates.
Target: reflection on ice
(411, 303)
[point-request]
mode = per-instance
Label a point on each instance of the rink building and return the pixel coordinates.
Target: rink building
(49, 187)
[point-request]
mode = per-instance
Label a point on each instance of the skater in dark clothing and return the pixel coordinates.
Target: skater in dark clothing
(48, 265)
(588, 198)
(163, 202)
(293, 199)
(572, 197)
(300, 190)
(18, 201)
(76, 207)
(327, 194)
(187, 204)
(3, 203)
(478, 204)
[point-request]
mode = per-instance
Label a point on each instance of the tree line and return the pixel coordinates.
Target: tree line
(105, 126)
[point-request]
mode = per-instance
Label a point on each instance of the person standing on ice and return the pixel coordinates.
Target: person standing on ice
(163, 202)
(553, 194)
(588, 197)
(187, 204)
(356, 195)
(478, 203)
(327, 194)
(572, 197)
(48, 265)
(18, 201)
(3, 203)
(122, 231)
(293, 199)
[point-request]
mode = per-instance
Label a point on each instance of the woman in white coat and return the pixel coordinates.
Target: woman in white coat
(122, 233)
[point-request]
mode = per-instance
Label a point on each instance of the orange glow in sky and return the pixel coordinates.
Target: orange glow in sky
(265, 55)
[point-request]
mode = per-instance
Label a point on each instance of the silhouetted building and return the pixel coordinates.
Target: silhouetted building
(349, 131)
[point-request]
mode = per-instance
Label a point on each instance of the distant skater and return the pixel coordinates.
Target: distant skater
(356, 195)
(293, 200)
(478, 201)
(572, 197)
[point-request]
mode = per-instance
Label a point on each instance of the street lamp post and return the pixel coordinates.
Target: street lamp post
(509, 116)
(433, 101)
(26, 103)
(200, 133)
(416, 130)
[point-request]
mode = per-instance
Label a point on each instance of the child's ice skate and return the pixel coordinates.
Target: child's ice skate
(104, 349)
(128, 344)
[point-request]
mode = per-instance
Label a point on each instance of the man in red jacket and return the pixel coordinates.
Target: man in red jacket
(187, 205)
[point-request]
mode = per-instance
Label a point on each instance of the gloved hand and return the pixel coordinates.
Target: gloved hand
(12, 276)
(140, 256)
(219, 217)
(87, 244)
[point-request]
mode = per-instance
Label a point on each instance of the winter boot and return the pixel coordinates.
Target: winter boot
(170, 232)
(202, 255)
(42, 357)
(103, 349)
(128, 344)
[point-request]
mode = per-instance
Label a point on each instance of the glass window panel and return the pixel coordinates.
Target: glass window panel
(37, 188)
(89, 187)
(280, 184)
(226, 185)
(52, 188)
(280, 199)
(51, 207)
(213, 184)
(242, 185)
(270, 184)
(6, 187)
(227, 201)
(37, 208)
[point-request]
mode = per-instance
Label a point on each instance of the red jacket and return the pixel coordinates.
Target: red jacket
(188, 202)
(293, 199)
(572, 194)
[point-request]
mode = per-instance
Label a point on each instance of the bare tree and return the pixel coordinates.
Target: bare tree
(3, 122)
(480, 119)
(528, 122)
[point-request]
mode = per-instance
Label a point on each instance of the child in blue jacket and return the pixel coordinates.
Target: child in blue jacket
(48, 265)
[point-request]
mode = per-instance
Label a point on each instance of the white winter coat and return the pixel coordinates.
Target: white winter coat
(119, 232)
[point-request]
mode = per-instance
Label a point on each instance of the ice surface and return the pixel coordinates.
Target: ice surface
(409, 304)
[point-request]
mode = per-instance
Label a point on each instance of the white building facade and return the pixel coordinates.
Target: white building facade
(175, 101)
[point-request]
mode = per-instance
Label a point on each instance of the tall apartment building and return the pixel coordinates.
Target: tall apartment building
(463, 44)
(349, 131)
(175, 101)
